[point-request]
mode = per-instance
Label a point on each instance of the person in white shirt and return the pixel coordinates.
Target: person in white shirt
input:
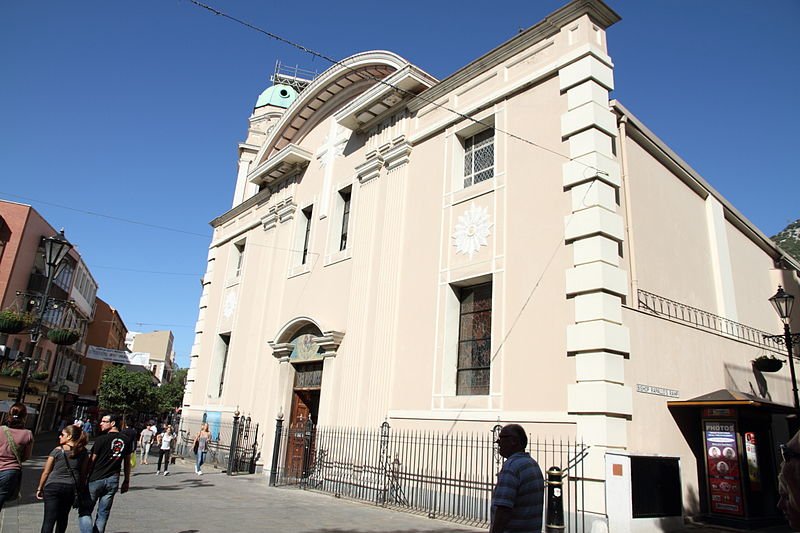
(165, 441)
(145, 441)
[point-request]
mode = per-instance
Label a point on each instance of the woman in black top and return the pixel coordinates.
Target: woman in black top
(64, 475)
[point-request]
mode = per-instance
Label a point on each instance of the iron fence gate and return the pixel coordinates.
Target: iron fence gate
(443, 475)
(233, 447)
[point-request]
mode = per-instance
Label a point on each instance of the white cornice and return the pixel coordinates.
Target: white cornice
(597, 10)
(291, 160)
(384, 97)
(340, 76)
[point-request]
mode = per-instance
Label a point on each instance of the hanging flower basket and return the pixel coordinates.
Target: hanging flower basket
(63, 336)
(40, 375)
(12, 321)
(767, 363)
(11, 372)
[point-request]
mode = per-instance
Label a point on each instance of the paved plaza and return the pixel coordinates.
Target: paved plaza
(184, 502)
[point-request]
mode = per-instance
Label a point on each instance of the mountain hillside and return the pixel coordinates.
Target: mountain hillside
(789, 239)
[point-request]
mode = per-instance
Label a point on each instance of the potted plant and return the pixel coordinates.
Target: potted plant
(12, 321)
(11, 371)
(64, 336)
(40, 375)
(767, 363)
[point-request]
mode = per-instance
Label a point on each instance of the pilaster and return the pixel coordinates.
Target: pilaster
(598, 340)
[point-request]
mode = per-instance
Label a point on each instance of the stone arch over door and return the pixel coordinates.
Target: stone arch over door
(302, 343)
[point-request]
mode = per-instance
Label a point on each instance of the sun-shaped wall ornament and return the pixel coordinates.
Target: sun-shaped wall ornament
(230, 305)
(472, 230)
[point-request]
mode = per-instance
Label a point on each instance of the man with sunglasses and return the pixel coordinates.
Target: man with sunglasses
(110, 453)
(789, 482)
(518, 497)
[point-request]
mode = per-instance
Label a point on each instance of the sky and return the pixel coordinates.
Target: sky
(120, 121)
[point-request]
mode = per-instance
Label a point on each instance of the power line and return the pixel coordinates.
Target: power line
(145, 271)
(103, 215)
(387, 84)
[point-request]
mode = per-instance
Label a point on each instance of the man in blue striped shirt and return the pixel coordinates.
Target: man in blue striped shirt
(518, 498)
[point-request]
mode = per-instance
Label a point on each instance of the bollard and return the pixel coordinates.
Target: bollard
(234, 444)
(555, 501)
(276, 448)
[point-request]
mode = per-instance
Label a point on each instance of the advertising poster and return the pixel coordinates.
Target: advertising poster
(213, 418)
(722, 461)
(752, 460)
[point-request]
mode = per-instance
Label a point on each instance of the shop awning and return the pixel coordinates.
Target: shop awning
(731, 398)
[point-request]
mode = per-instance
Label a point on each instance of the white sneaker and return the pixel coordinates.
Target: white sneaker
(199, 472)
(166, 473)
(158, 472)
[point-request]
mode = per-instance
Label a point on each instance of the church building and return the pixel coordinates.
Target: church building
(507, 244)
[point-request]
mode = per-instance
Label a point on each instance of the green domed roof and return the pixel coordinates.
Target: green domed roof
(277, 95)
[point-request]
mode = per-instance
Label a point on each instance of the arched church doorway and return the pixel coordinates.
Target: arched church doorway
(306, 360)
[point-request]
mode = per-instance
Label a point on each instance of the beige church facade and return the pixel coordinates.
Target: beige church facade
(503, 245)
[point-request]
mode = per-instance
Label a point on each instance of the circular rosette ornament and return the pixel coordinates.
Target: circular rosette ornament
(472, 230)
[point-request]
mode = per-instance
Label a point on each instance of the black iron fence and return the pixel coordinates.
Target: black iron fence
(234, 446)
(443, 475)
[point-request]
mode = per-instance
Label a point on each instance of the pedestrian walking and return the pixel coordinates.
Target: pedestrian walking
(110, 453)
(789, 482)
(87, 427)
(145, 441)
(200, 447)
(16, 447)
(165, 441)
(518, 497)
(63, 480)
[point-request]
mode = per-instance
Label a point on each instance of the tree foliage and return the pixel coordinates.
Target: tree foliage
(789, 239)
(170, 395)
(127, 392)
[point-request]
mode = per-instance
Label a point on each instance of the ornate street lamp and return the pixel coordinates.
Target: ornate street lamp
(783, 303)
(56, 249)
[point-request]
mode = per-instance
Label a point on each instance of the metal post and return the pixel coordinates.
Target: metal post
(787, 339)
(36, 332)
(276, 448)
(555, 500)
(234, 439)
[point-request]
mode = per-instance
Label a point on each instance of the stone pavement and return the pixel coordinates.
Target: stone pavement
(184, 502)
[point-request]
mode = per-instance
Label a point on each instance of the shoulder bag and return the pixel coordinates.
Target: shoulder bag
(76, 501)
(14, 494)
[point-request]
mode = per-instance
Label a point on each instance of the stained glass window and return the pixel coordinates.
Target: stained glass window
(474, 340)
(479, 157)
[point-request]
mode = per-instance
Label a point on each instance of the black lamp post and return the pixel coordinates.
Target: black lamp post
(783, 302)
(56, 249)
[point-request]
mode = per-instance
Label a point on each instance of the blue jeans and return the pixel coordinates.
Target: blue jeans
(9, 484)
(201, 458)
(101, 492)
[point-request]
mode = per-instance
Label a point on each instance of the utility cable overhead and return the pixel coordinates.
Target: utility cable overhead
(103, 215)
(381, 81)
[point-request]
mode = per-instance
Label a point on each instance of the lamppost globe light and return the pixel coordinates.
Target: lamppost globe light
(783, 303)
(56, 249)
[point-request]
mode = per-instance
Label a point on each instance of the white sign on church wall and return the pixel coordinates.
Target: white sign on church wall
(118, 356)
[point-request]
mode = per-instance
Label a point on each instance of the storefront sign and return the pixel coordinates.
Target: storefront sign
(118, 356)
(658, 391)
(722, 461)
